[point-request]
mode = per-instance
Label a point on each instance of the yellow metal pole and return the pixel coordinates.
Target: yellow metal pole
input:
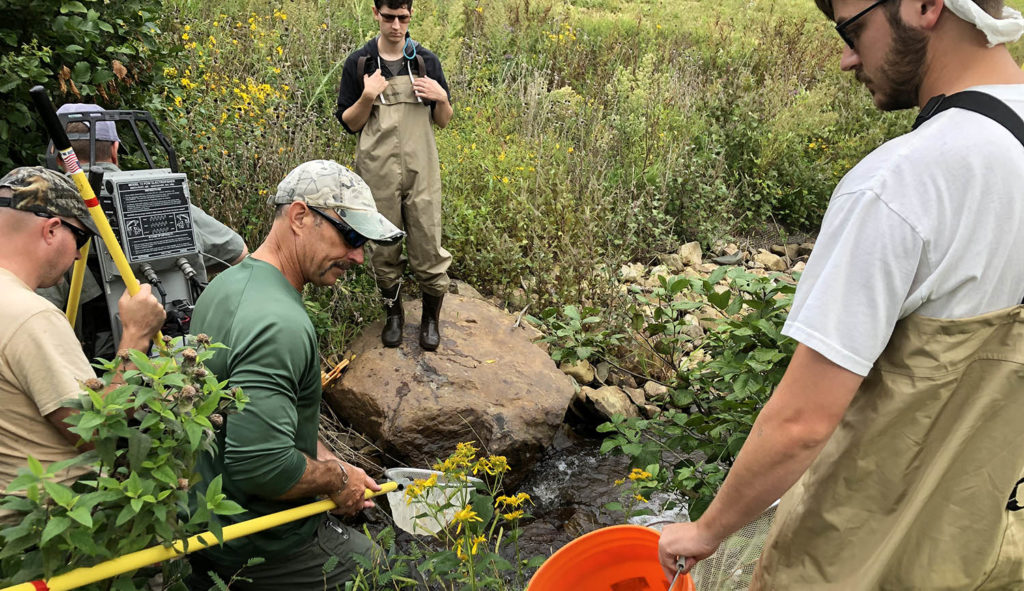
(77, 276)
(136, 560)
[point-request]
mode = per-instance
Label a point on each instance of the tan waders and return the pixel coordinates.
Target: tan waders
(911, 491)
(397, 157)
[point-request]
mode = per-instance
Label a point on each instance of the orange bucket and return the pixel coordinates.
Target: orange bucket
(617, 558)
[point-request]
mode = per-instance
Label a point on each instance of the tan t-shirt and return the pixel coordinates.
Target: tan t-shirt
(41, 366)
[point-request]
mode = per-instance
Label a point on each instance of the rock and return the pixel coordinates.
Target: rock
(622, 379)
(464, 289)
(650, 411)
(787, 250)
(636, 396)
(730, 259)
(799, 267)
(631, 273)
(610, 400)
(770, 261)
(601, 371)
(673, 262)
(806, 248)
(653, 389)
(690, 253)
(487, 382)
(581, 371)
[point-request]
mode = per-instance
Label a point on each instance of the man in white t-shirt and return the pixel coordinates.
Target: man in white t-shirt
(44, 222)
(896, 433)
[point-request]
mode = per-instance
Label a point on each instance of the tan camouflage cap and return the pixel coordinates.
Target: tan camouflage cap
(326, 184)
(41, 190)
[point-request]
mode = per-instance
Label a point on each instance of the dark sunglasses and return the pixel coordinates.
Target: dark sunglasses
(81, 236)
(351, 237)
(841, 27)
(390, 18)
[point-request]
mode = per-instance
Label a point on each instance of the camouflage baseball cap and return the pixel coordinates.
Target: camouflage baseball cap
(328, 185)
(41, 190)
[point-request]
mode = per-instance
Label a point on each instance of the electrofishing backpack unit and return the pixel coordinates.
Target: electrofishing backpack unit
(149, 213)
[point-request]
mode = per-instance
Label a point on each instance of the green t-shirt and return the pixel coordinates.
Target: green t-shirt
(273, 357)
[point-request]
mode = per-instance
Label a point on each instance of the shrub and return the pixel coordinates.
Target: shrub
(146, 435)
(88, 50)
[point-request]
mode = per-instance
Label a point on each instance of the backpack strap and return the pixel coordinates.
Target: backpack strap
(421, 65)
(983, 104)
(361, 66)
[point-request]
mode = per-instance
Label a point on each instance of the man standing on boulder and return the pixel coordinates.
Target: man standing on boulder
(392, 91)
(269, 454)
(897, 428)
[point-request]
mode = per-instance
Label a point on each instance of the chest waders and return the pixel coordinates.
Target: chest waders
(911, 490)
(397, 157)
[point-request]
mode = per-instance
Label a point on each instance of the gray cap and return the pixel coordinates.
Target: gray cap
(106, 131)
(41, 190)
(328, 185)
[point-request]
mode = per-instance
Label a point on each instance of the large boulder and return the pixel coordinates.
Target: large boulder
(487, 382)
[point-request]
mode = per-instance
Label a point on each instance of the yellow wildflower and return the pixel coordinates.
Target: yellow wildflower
(517, 514)
(467, 515)
(638, 474)
(640, 498)
(184, 36)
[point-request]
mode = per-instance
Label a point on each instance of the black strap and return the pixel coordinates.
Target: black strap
(977, 102)
(1014, 504)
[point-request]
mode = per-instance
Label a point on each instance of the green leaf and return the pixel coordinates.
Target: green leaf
(228, 507)
(73, 6)
(139, 445)
(194, 432)
(54, 527)
(82, 71)
(719, 300)
(35, 467)
(82, 515)
(60, 494)
(126, 513)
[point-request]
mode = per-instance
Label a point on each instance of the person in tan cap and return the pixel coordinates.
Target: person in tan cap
(269, 454)
(44, 222)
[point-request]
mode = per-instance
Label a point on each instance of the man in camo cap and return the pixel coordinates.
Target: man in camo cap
(269, 454)
(44, 223)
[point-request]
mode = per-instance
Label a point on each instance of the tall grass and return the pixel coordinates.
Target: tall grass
(586, 134)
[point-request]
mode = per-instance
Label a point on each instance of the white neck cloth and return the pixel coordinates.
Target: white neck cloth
(1007, 29)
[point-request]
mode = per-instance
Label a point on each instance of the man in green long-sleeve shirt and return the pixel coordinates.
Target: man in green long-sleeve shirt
(269, 454)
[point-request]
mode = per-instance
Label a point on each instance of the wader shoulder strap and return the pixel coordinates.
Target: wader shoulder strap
(978, 102)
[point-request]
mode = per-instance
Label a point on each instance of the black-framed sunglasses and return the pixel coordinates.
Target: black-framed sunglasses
(351, 237)
(390, 18)
(81, 236)
(841, 27)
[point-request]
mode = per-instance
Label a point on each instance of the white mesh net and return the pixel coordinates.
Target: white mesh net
(731, 567)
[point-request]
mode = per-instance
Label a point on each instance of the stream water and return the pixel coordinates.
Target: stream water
(570, 486)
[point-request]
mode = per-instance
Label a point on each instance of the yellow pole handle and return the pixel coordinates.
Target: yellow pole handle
(136, 560)
(77, 276)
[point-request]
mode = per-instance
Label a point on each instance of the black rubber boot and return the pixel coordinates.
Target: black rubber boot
(391, 336)
(429, 336)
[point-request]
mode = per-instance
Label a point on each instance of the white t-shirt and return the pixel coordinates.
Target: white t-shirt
(930, 223)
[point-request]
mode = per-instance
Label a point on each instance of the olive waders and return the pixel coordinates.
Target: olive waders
(913, 489)
(397, 157)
